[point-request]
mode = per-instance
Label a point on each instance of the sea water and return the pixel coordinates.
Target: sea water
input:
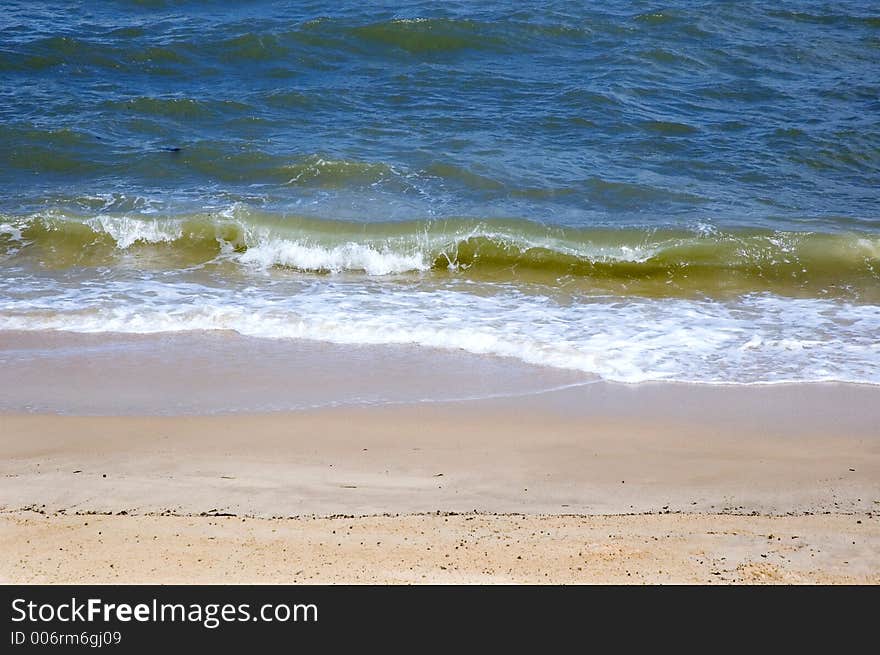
(635, 191)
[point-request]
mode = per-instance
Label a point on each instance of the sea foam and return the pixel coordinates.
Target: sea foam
(760, 338)
(335, 259)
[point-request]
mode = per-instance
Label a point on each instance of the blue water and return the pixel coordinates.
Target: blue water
(571, 113)
(640, 190)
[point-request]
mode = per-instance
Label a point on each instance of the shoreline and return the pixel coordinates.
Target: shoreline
(656, 482)
(223, 373)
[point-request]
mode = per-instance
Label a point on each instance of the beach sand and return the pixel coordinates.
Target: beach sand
(461, 548)
(605, 483)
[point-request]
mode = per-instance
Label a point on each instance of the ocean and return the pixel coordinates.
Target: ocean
(635, 191)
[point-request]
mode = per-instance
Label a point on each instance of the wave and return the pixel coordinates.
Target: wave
(668, 261)
(335, 259)
(759, 338)
(132, 49)
(336, 172)
(178, 107)
(128, 54)
(423, 35)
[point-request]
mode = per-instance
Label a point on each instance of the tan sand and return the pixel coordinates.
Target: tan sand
(541, 455)
(715, 455)
(679, 548)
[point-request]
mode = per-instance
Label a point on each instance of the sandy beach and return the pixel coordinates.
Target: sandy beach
(647, 483)
(441, 549)
(440, 293)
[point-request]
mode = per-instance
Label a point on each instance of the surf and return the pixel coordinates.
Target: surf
(669, 261)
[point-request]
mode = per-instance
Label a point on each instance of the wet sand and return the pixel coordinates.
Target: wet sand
(653, 482)
(641, 449)
(691, 480)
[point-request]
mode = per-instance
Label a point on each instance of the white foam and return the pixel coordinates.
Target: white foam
(345, 257)
(755, 339)
(11, 234)
(127, 231)
(13, 231)
(868, 248)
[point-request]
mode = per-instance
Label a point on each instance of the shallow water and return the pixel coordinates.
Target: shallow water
(686, 193)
